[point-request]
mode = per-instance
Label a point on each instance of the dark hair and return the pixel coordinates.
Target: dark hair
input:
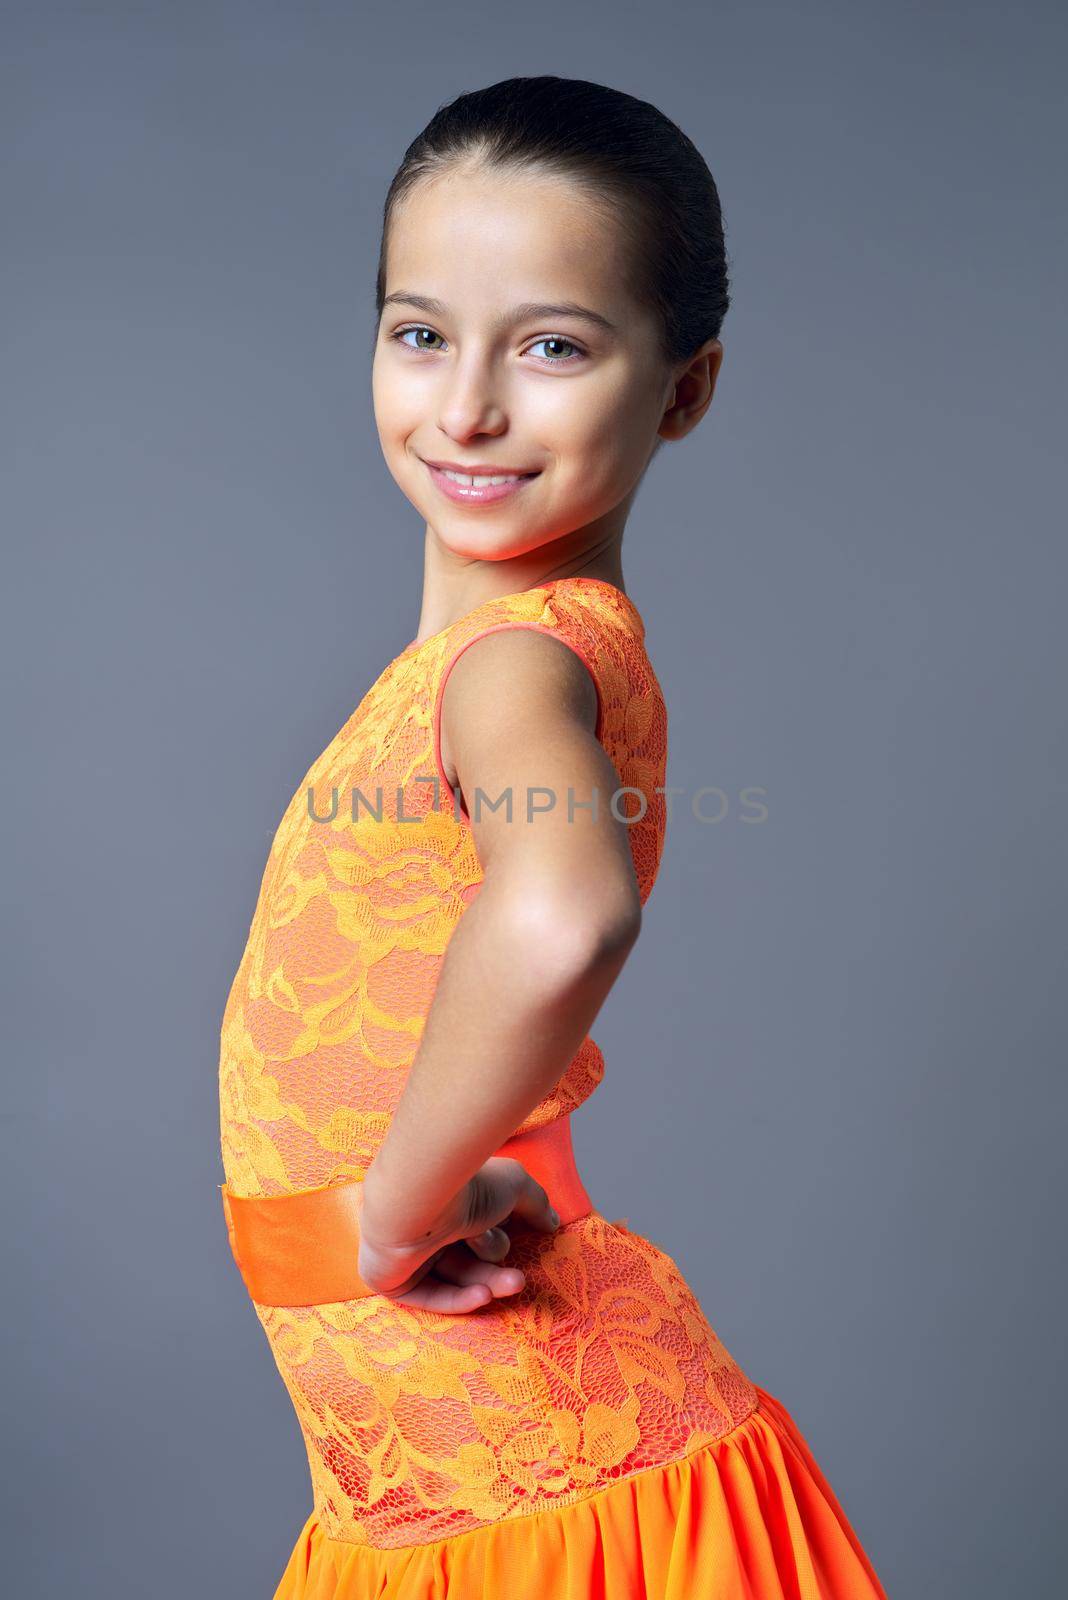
(634, 162)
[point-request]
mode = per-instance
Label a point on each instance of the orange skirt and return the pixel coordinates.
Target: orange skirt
(750, 1517)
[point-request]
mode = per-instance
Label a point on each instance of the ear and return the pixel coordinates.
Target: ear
(694, 387)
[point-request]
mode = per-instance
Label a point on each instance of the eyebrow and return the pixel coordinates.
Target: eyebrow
(522, 313)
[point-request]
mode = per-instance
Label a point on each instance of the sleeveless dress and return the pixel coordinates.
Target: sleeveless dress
(589, 1436)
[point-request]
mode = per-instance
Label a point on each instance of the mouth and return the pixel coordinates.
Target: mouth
(479, 473)
(485, 486)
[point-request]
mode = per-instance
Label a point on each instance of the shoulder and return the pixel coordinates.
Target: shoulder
(516, 684)
(599, 627)
(541, 662)
(539, 656)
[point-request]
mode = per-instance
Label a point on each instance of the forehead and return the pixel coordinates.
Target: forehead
(488, 238)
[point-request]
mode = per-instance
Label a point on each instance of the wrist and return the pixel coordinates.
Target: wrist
(388, 1219)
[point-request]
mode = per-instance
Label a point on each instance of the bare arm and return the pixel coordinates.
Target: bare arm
(534, 956)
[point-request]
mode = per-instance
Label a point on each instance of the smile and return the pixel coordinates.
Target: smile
(468, 488)
(481, 482)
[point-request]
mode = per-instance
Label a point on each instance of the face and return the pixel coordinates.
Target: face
(464, 374)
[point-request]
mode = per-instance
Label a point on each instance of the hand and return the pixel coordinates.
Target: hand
(454, 1267)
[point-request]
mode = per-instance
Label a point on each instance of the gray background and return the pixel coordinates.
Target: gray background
(836, 1057)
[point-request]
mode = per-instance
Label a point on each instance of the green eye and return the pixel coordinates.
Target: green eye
(576, 355)
(559, 361)
(402, 332)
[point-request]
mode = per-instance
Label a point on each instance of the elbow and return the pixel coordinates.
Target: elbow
(575, 932)
(614, 936)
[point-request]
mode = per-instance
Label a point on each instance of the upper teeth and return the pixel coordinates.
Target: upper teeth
(479, 483)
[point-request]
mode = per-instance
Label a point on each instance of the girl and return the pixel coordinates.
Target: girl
(501, 1391)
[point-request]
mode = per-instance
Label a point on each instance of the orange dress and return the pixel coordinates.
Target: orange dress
(589, 1436)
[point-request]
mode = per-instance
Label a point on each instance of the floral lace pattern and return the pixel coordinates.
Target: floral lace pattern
(419, 1425)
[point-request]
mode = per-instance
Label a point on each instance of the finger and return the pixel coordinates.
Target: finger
(459, 1266)
(493, 1245)
(469, 1293)
(430, 1294)
(532, 1204)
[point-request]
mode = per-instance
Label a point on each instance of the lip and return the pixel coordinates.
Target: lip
(476, 494)
(481, 469)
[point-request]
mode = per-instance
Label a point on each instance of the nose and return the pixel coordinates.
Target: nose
(472, 402)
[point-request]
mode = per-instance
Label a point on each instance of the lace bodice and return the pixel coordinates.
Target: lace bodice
(353, 918)
(419, 1425)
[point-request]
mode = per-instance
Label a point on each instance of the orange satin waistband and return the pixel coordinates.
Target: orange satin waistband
(301, 1249)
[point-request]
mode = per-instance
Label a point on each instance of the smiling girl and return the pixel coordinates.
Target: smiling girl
(501, 1391)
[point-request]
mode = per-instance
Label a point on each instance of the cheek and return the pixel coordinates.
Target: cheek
(601, 421)
(380, 398)
(599, 451)
(391, 396)
(395, 416)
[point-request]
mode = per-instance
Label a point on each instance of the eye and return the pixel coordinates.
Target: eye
(560, 361)
(401, 337)
(401, 334)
